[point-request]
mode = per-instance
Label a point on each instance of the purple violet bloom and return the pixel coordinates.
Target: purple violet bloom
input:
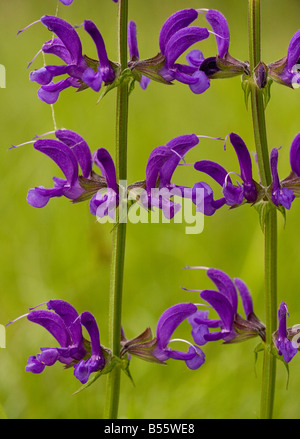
(82, 72)
(66, 2)
(233, 195)
(285, 347)
(134, 52)
(161, 165)
(176, 36)
(286, 70)
(224, 301)
(280, 195)
(223, 65)
(63, 322)
(71, 152)
(168, 322)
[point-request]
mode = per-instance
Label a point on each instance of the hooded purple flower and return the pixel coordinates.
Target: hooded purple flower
(63, 322)
(168, 322)
(232, 194)
(161, 165)
(66, 2)
(82, 71)
(71, 152)
(286, 70)
(176, 36)
(221, 66)
(134, 52)
(232, 327)
(285, 346)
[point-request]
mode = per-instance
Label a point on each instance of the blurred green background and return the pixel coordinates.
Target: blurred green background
(61, 252)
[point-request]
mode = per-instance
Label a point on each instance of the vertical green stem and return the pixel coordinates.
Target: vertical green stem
(119, 233)
(270, 227)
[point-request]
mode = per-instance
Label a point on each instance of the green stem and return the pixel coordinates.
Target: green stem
(270, 227)
(119, 232)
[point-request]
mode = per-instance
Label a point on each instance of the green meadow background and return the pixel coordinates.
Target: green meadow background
(61, 252)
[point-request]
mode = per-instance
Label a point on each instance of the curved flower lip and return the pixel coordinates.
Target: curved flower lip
(166, 325)
(79, 148)
(245, 296)
(104, 161)
(66, 33)
(293, 53)
(174, 23)
(53, 323)
(106, 69)
(284, 345)
(132, 40)
(295, 155)
(181, 41)
(280, 195)
(225, 285)
(163, 160)
(69, 152)
(61, 155)
(220, 27)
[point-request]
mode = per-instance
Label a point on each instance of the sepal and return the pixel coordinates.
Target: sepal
(230, 67)
(150, 68)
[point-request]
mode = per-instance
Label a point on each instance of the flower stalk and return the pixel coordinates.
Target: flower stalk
(270, 226)
(119, 232)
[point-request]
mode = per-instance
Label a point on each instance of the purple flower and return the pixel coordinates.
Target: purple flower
(286, 70)
(167, 324)
(71, 152)
(233, 195)
(280, 194)
(221, 66)
(176, 36)
(161, 165)
(82, 71)
(285, 346)
(66, 2)
(232, 327)
(134, 53)
(65, 325)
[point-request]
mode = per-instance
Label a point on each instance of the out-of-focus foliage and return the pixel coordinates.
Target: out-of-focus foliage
(61, 252)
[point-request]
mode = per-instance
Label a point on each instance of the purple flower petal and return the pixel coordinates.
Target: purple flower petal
(283, 196)
(295, 155)
(48, 356)
(181, 41)
(39, 196)
(61, 155)
(293, 53)
(202, 84)
(195, 58)
(103, 160)
(208, 206)
(245, 296)
(219, 25)
(225, 285)
(34, 366)
(197, 360)
(70, 317)
(170, 320)
(56, 47)
(53, 323)
(178, 147)
(214, 170)
(67, 34)
(45, 75)
(284, 345)
(199, 330)
(107, 71)
(50, 93)
(222, 306)
(174, 23)
(79, 148)
(132, 40)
